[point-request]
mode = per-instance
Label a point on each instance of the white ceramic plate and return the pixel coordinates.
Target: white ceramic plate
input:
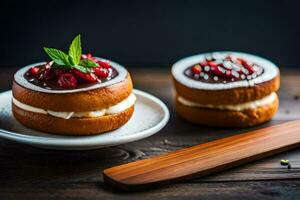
(150, 115)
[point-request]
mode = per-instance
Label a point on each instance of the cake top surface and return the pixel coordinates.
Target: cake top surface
(118, 74)
(223, 70)
(70, 72)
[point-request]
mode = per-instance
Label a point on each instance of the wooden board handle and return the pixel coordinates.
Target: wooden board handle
(205, 159)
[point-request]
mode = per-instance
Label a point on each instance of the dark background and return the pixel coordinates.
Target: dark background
(150, 33)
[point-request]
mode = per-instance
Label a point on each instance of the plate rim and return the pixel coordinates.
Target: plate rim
(83, 141)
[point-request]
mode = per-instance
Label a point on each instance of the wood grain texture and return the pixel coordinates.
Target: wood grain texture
(32, 173)
(205, 159)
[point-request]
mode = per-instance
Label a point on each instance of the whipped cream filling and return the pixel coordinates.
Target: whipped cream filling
(234, 107)
(119, 107)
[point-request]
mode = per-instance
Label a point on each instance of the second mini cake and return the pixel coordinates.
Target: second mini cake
(75, 94)
(226, 89)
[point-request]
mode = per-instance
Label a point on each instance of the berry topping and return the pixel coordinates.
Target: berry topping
(34, 70)
(67, 80)
(101, 72)
(104, 63)
(48, 74)
(223, 68)
(49, 64)
(212, 64)
(247, 65)
(70, 70)
(86, 77)
(87, 56)
(58, 72)
(217, 70)
(196, 69)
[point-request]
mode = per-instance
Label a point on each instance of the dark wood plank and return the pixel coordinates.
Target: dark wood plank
(249, 190)
(24, 164)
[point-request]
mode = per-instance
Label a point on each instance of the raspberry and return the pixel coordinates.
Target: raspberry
(87, 77)
(104, 63)
(67, 80)
(101, 72)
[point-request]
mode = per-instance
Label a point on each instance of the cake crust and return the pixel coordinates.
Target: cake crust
(227, 118)
(228, 96)
(73, 126)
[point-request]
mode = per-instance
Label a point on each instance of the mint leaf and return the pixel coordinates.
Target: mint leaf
(88, 63)
(75, 50)
(82, 69)
(57, 56)
(71, 61)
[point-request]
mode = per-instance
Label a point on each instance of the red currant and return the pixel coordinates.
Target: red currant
(34, 70)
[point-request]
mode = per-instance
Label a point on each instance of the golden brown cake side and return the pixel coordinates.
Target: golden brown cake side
(227, 118)
(228, 96)
(73, 126)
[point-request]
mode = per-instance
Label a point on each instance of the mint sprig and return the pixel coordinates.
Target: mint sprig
(72, 59)
(75, 50)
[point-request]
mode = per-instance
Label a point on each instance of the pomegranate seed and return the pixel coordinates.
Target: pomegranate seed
(196, 69)
(67, 80)
(48, 74)
(217, 71)
(101, 72)
(34, 70)
(87, 77)
(104, 63)
(212, 64)
(228, 74)
(248, 66)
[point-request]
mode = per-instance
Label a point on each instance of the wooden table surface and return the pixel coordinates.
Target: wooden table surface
(31, 173)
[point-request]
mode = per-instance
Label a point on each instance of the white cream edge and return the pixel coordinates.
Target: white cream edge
(236, 107)
(270, 72)
(120, 107)
(19, 78)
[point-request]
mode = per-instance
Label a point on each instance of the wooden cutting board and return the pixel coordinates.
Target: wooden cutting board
(205, 159)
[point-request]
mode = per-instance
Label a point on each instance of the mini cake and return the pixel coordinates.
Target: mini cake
(74, 94)
(226, 89)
